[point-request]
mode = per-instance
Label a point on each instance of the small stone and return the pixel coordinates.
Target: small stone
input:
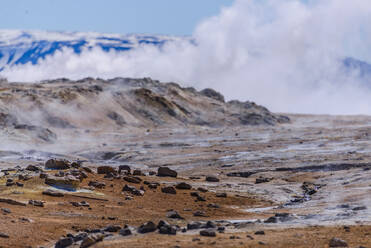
(132, 179)
(32, 168)
(64, 242)
(138, 173)
(91, 240)
(259, 233)
(4, 235)
(202, 189)
(53, 193)
(124, 168)
(6, 210)
(19, 184)
(194, 225)
(199, 214)
(147, 227)
(168, 190)
(125, 232)
(36, 203)
(97, 184)
(336, 242)
(113, 228)
(213, 205)
(166, 172)
(221, 195)
(133, 190)
(105, 169)
(174, 215)
(183, 185)
(208, 233)
(212, 179)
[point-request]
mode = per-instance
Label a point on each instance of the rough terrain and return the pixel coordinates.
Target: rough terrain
(130, 163)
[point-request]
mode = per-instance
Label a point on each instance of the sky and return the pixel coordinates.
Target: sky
(175, 17)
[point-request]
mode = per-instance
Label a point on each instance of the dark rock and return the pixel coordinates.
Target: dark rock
(194, 225)
(259, 233)
(222, 195)
(167, 229)
(241, 174)
(183, 185)
(80, 236)
(202, 189)
(174, 215)
(91, 240)
(6, 210)
(212, 94)
(4, 235)
(199, 214)
(32, 168)
(359, 208)
(113, 229)
(213, 205)
(105, 169)
(147, 227)
(272, 219)
(208, 233)
(212, 179)
(132, 190)
(124, 168)
(336, 242)
(54, 164)
(166, 172)
(138, 173)
(262, 180)
(200, 198)
(210, 224)
(19, 184)
(132, 179)
(168, 190)
(96, 184)
(125, 232)
(64, 242)
(36, 203)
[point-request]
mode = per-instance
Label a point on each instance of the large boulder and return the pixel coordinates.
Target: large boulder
(166, 172)
(105, 169)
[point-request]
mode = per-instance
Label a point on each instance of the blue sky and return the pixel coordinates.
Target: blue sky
(177, 17)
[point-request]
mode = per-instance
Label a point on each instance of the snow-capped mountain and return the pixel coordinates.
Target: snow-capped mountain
(22, 47)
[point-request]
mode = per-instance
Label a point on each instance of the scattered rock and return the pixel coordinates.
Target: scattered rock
(6, 210)
(36, 203)
(64, 242)
(336, 242)
(174, 215)
(212, 179)
(199, 214)
(112, 228)
(262, 180)
(147, 227)
(4, 235)
(259, 233)
(208, 233)
(125, 232)
(105, 169)
(91, 240)
(183, 185)
(194, 225)
(168, 190)
(166, 172)
(221, 195)
(124, 168)
(32, 168)
(133, 190)
(12, 202)
(96, 184)
(53, 193)
(136, 180)
(54, 164)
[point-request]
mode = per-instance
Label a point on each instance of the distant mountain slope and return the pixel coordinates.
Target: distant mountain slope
(21, 47)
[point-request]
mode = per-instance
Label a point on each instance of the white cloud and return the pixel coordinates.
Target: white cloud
(284, 54)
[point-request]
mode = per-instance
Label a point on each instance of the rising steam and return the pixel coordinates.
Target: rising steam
(284, 54)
